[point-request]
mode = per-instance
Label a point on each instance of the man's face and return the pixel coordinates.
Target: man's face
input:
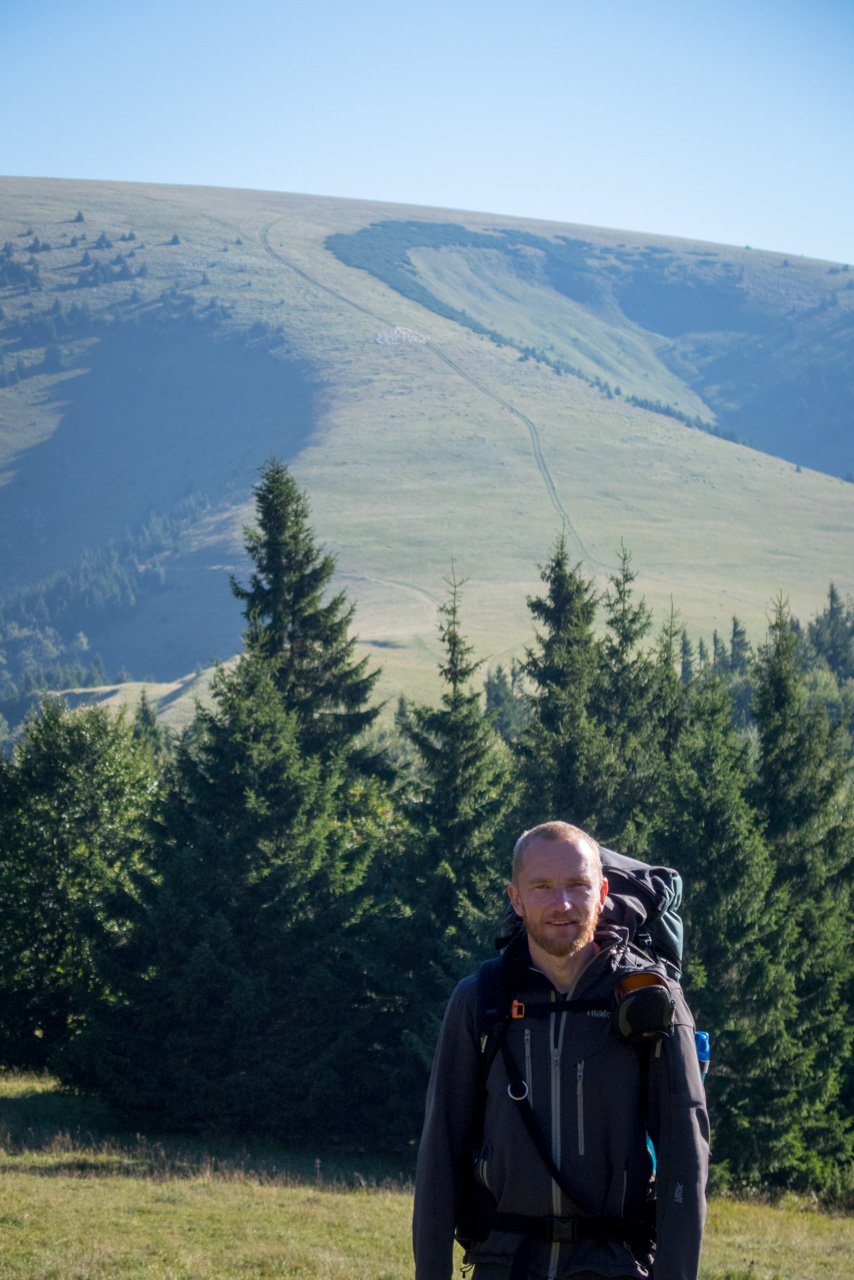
(559, 895)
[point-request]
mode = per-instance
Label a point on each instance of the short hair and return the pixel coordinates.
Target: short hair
(553, 831)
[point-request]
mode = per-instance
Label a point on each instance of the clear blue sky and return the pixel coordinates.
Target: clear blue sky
(730, 122)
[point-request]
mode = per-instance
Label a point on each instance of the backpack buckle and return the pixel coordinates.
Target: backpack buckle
(517, 1009)
(562, 1230)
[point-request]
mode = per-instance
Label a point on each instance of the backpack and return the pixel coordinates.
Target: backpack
(644, 900)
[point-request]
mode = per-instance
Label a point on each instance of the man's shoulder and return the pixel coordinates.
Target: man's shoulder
(461, 1011)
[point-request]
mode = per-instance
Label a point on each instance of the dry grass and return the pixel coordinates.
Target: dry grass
(80, 1201)
(789, 1241)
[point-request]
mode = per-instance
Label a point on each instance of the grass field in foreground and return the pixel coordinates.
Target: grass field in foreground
(76, 1202)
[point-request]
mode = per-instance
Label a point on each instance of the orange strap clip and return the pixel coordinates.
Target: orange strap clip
(517, 1009)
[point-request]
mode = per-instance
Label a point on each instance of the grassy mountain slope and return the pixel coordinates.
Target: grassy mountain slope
(752, 340)
(443, 396)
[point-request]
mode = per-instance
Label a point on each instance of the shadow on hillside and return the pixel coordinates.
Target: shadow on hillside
(161, 411)
(46, 1133)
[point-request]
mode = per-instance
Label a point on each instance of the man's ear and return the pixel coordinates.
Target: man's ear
(603, 894)
(514, 898)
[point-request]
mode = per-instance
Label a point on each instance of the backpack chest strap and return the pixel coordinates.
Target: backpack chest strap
(542, 1008)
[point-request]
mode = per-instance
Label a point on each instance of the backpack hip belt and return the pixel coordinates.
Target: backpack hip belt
(567, 1230)
(637, 1233)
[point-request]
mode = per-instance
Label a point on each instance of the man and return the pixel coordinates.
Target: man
(565, 1096)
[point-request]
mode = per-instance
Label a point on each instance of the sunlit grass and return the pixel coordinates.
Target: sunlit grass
(79, 1199)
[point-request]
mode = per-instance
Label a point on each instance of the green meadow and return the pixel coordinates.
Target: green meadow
(80, 1200)
(419, 440)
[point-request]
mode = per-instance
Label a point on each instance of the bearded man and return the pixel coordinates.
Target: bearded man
(542, 1160)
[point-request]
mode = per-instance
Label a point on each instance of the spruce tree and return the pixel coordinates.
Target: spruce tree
(306, 640)
(669, 703)
(720, 657)
(735, 978)
(803, 794)
(450, 870)
(624, 702)
(460, 802)
(506, 701)
(146, 729)
(566, 765)
(739, 649)
(687, 656)
(832, 635)
(238, 999)
(738, 673)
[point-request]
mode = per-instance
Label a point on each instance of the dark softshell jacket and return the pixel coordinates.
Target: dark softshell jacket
(587, 1091)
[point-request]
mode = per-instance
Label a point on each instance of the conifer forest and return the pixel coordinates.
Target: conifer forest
(254, 927)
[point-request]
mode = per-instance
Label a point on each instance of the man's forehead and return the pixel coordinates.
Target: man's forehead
(570, 855)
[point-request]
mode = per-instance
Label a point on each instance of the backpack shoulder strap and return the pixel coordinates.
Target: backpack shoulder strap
(489, 992)
(495, 991)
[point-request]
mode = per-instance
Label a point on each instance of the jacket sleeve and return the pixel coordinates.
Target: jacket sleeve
(450, 1110)
(678, 1124)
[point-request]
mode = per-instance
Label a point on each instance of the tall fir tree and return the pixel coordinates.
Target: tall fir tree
(832, 635)
(146, 730)
(506, 701)
(565, 763)
(735, 978)
(440, 889)
(307, 640)
(740, 654)
(687, 659)
(720, 657)
(803, 795)
(239, 1001)
(739, 675)
(459, 804)
(624, 702)
(670, 701)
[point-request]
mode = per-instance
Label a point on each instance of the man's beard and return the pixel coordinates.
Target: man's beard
(561, 947)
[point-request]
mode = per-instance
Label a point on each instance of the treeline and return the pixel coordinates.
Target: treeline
(255, 927)
(48, 328)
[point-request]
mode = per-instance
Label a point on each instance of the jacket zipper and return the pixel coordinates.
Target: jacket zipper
(529, 1079)
(579, 1090)
(557, 1197)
